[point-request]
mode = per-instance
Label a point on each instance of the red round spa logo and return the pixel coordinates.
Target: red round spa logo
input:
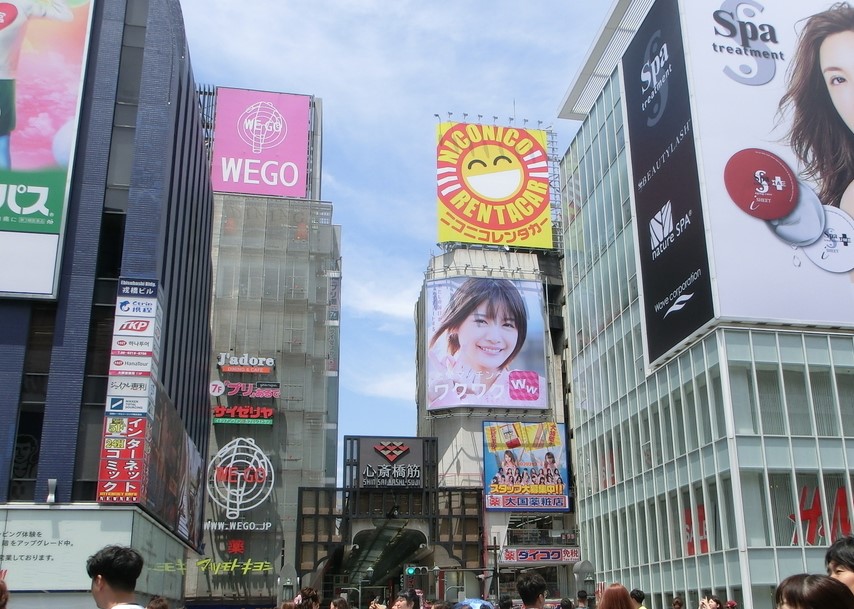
(761, 184)
(492, 177)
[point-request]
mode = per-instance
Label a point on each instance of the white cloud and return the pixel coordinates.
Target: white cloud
(383, 69)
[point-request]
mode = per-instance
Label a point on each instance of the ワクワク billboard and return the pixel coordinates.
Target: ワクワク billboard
(485, 343)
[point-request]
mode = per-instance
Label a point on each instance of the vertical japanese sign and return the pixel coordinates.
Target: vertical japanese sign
(122, 476)
(493, 185)
(43, 48)
(333, 321)
(131, 392)
(525, 466)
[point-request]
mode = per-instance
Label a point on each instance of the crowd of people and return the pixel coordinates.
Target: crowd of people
(801, 591)
(114, 571)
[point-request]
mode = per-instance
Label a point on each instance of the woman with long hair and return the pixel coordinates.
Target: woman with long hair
(308, 598)
(806, 591)
(820, 98)
(482, 330)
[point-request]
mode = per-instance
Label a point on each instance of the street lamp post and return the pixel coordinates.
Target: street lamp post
(436, 572)
(370, 573)
(590, 587)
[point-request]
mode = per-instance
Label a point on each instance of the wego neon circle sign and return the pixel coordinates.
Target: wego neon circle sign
(240, 477)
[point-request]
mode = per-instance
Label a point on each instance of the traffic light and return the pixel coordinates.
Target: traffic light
(410, 570)
(413, 570)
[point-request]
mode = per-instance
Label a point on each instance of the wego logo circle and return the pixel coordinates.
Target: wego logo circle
(262, 126)
(240, 477)
(495, 178)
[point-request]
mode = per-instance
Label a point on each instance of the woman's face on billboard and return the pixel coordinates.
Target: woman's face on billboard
(836, 58)
(486, 342)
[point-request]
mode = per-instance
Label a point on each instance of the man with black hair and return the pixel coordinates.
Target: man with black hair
(566, 603)
(839, 561)
(114, 571)
(637, 597)
(505, 602)
(532, 590)
(582, 599)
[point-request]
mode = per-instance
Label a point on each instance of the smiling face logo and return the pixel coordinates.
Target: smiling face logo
(491, 174)
(492, 181)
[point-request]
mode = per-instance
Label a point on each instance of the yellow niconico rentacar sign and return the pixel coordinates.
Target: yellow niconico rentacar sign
(493, 185)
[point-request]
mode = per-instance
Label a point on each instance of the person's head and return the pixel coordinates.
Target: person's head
(821, 78)
(308, 598)
(157, 602)
(287, 605)
(677, 603)
(505, 602)
(806, 591)
(581, 596)
(715, 602)
(339, 603)
(616, 596)
(550, 459)
(4, 594)
(446, 605)
(637, 596)
(566, 603)
(839, 561)
(509, 457)
(486, 322)
(114, 571)
(407, 600)
(532, 589)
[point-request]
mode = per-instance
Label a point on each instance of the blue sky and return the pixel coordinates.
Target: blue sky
(383, 69)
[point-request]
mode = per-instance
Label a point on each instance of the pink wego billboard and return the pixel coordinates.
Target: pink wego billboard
(260, 143)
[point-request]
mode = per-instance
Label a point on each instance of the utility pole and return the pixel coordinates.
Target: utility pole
(495, 571)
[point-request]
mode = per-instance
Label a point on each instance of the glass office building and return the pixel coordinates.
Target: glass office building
(725, 466)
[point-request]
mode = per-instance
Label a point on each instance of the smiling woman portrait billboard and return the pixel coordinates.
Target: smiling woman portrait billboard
(485, 343)
(777, 158)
